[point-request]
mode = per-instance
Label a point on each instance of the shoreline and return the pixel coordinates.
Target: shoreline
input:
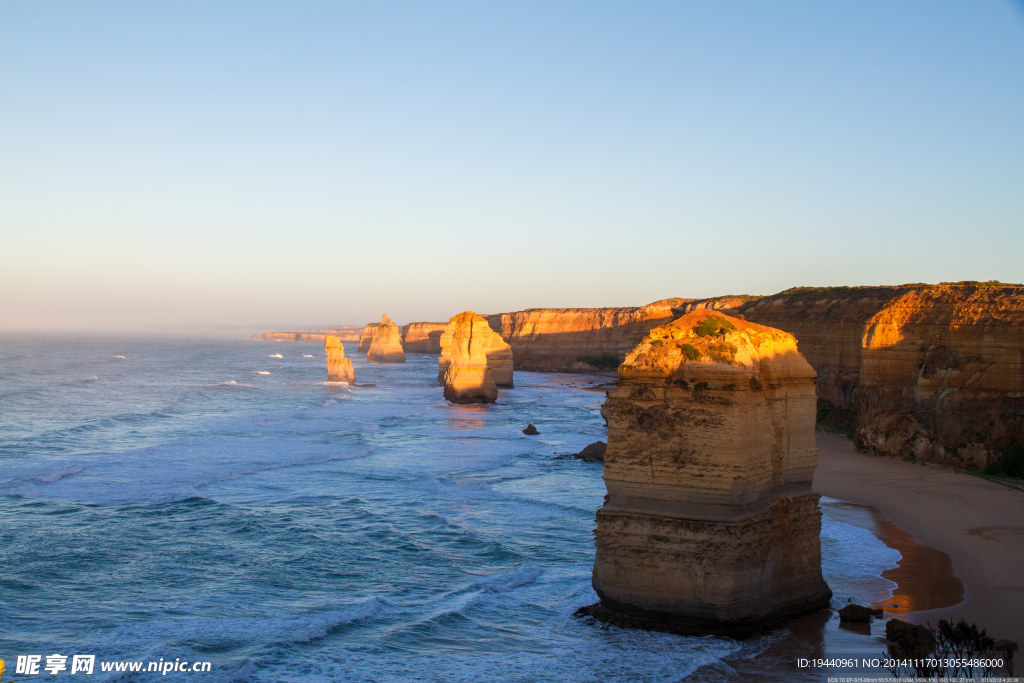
(961, 558)
(924, 577)
(922, 509)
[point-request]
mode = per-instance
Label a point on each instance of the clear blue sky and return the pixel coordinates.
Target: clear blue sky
(322, 162)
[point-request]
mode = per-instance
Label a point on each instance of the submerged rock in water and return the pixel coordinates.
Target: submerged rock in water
(530, 430)
(858, 614)
(339, 368)
(710, 524)
(592, 453)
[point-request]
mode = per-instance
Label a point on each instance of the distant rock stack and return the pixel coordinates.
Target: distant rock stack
(474, 360)
(339, 368)
(710, 524)
(366, 338)
(423, 337)
(386, 346)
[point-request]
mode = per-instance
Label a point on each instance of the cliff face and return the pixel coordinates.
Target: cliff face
(474, 360)
(386, 345)
(342, 333)
(366, 337)
(710, 524)
(578, 339)
(423, 337)
(932, 372)
(339, 368)
(942, 375)
(956, 398)
(829, 323)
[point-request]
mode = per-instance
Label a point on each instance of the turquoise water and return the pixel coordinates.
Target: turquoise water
(177, 503)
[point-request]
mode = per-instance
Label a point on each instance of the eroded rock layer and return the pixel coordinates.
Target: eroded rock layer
(933, 372)
(339, 368)
(950, 390)
(474, 360)
(386, 345)
(423, 337)
(345, 333)
(578, 339)
(366, 337)
(710, 523)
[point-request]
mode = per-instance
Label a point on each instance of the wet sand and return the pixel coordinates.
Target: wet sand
(977, 523)
(924, 576)
(960, 538)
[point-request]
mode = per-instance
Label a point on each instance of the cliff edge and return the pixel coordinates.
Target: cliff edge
(930, 372)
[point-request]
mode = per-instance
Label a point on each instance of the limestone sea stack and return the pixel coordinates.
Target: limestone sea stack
(339, 368)
(710, 524)
(474, 360)
(386, 346)
(366, 337)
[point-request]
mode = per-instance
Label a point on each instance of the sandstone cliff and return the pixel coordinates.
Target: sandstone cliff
(474, 360)
(956, 398)
(578, 339)
(386, 345)
(346, 333)
(366, 337)
(339, 368)
(710, 524)
(423, 337)
(933, 372)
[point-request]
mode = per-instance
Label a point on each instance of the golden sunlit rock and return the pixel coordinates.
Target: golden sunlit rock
(423, 337)
(474, 360)
(366, 338)
(386, 346)
(931, 372)
(710, 524)
(339, 368)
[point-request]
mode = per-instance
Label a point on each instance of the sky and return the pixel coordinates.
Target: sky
(279, 164)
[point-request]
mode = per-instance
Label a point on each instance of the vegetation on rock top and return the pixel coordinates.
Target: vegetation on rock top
(713, 325)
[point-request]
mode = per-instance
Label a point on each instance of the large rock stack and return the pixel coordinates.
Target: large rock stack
(339, 368)
(386, 346)
(474, 360)
(710, 524)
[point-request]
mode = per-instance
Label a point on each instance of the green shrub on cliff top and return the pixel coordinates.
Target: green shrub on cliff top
(722, 352)
(691, 352)
(713, 325)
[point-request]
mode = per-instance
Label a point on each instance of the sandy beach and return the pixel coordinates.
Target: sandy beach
(962, 558)
(977, 523)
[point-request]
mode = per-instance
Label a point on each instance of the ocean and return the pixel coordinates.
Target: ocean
(201, 500)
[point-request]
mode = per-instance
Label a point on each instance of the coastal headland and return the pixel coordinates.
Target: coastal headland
(929, 372)
(921, 379)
